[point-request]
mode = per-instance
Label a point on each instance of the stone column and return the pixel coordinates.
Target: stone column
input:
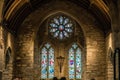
(24, 52)
(1, 42)
(1, 50)
(1, 6)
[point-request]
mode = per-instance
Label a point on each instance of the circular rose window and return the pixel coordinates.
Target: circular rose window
(60, 27)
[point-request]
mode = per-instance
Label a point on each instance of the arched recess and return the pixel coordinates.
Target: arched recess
(7, 57)
(60, 46)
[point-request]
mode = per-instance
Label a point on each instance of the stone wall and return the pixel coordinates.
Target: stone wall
(9, 43)
(1, 38)
(24, 53)
(1, 51)
(6, 41)
(109, 57)
(95, 47)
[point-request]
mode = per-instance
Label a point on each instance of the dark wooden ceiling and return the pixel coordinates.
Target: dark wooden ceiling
(13, 22)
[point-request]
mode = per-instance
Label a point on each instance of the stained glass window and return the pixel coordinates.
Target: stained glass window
(74, 62)
(47, 62)
(61, 27)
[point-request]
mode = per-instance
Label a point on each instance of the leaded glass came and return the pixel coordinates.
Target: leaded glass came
(61, 27)
(74, 62)
(47, 62)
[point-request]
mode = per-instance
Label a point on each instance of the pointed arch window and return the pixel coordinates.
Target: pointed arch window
(47, 61)
(74, 61)
(7, 57)
(61, 27)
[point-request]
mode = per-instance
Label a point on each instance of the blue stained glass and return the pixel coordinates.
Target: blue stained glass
(47, 62)
(78, 64)
(56, 21)
(44, 50)
(71, 51)
(66, 21)
(68, 25)
(75, 62)
(53, 25)
(74, 45)
(44, 63)
(71, 64)
(56, 34)
(51, 50)
(51, 63)
(66, 34)
(63, 25)
(61, 19)
(47, 45)
(53, 30)
(61, 35)
(68, 30)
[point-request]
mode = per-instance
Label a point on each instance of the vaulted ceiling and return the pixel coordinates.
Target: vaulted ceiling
(15, 11)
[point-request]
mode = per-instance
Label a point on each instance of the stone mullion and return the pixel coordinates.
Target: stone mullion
(1, 37)
(119, 23)
(115, 23)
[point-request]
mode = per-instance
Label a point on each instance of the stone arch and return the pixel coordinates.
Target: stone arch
(94, 37)
(43, 24)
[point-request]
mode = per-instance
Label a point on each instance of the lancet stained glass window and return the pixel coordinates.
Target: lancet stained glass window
(74, 62)
(61, 27)
(47, 62)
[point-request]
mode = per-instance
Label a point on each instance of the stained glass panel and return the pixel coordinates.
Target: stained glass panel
(75, 62)
(78, 64)
(47, 62)
(51, 63)
(71, 64)
(66, 21)
(61, 27)
(44, 64)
